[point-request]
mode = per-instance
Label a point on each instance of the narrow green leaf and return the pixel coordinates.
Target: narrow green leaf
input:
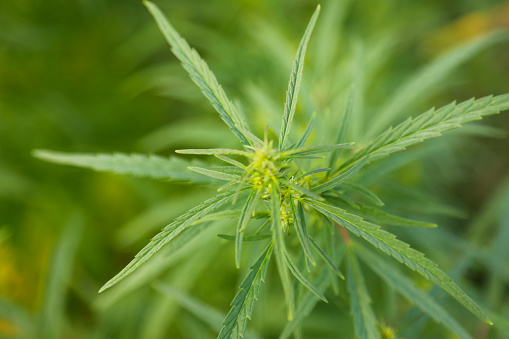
(214, 151)
(298, 152)
(303, 280)
(365, 322)
(326, 258)
(245, 216)
(168, 233)
(295, 79)
(344, 175)
(139, 165)
(406, 287)
(363, 192)
(230, 161)
(309, 300)
(299, 222)
(215, 174)
(246, 238)
(383, 217)
(307, 132)
(401, 251)
(320, 170)
(280, 248)
(429, 125)
(234, 325)
(301, 189)
(343, 128)
(202, 76)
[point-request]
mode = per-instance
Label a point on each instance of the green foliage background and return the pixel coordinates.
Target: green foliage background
(97, 76)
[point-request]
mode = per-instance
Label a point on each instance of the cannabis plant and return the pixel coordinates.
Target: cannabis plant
(303, 202)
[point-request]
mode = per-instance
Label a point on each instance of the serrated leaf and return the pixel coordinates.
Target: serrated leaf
(168, 233)
(202, 76)
(139, 165)
(309, 300)
(305, 151)
(365, 322)
(326, 258)
(406, 287)
(307, 132)
(245, 216)
(246, 238)
(383, 217)
(215, 174)
(343, 128)
(344, 175)
(280, 249)
(363, 192)
(213, 151)
(302, 279)
(401, 251)
(230, 161)
(295, 79)
(234, 325)
(299, 222)
(429, 125)
(320, 170)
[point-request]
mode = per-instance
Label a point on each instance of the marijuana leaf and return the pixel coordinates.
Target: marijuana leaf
(401, 251)
(294, 85)
(140, 165)
(234, 325)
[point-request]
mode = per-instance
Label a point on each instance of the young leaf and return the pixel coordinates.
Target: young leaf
(202, 76)
(139, 165)
(344, 175)
(303, 280)
(406, 287)
(326, 258)
(364, 318)
(299, 221)
(309, 299)
(280, 249)
(213, 151)
(229, 160)
(294, 84)
(401, 251)
(343, 128)
(363, 192)
(429, 125)
(215, 174)
(298, 152)
(246, 238)
(168, 233)
(234, 325)
(245, 215)
(307, 132)
(389, 219)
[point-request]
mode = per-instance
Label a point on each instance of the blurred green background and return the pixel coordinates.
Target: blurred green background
(97, 76)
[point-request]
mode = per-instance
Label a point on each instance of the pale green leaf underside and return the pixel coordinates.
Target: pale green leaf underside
(295, 80)
(168, 233)
(429, 125)
(202, 76)
(139, 165)
(365, 322)
(406, 287)
(234, 325)
(401, 251)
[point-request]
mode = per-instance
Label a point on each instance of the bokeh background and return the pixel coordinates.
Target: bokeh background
(97, 76)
